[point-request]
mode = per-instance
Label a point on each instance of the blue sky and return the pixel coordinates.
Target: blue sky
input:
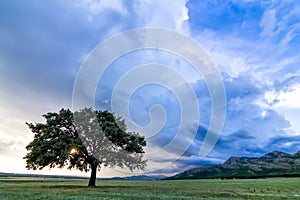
(253, 44)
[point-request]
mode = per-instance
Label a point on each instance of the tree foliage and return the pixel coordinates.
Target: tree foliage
(85, 140)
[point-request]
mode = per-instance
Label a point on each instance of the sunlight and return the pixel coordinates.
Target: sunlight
(73, 151)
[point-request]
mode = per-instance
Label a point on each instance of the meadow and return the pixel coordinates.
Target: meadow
(39, 188)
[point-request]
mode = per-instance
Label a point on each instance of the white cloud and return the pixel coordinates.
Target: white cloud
(263, 61)
(164, 14)
(99, 6)
(289, 99)
(268, 23)
(232, 55)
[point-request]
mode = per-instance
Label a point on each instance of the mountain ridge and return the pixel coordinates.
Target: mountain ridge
(273, 164)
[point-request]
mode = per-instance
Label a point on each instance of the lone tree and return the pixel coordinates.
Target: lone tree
(85, 140)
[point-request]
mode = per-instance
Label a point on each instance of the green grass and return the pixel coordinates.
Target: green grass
(35, 188)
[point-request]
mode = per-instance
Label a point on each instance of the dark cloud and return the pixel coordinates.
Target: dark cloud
(240, 143)
(288, 144)
(287, 84)
(43, 44)
(195, 147)
(248, 127)
(242, 87)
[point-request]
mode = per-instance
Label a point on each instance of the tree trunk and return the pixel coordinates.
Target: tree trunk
(92, 181)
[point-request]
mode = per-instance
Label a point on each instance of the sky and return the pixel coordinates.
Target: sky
(252, 44)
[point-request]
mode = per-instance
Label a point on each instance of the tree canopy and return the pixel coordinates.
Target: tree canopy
(84, 140)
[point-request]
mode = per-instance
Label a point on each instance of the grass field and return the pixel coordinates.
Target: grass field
(30, 188)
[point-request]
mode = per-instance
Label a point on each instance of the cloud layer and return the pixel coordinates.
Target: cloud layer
(254, 45)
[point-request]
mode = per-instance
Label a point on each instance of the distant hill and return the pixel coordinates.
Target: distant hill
(273, 164)
(140, 177)
(2, 174)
